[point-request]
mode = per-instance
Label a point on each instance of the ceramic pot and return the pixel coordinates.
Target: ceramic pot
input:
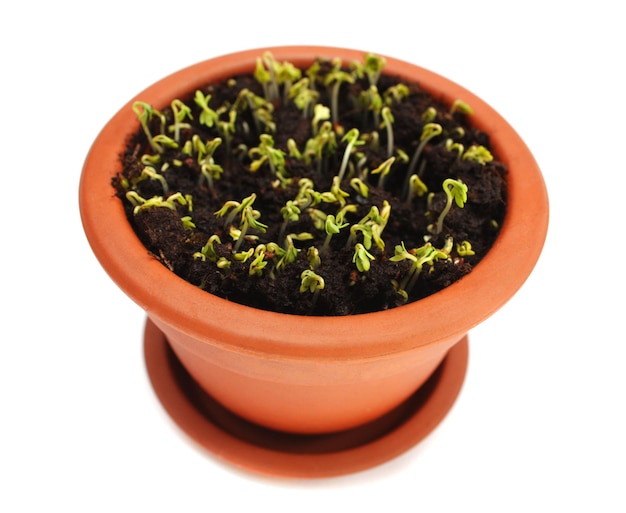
(300, 374)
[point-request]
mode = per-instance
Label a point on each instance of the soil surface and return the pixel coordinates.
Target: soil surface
(347, 290)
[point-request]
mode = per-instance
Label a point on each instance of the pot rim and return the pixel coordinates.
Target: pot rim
(172, 300)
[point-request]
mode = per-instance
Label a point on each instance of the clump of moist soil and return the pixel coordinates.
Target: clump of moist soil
(176, 231)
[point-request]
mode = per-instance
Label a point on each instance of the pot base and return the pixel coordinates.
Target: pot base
(269, 452)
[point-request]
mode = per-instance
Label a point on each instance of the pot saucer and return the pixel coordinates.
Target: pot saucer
(269, 452)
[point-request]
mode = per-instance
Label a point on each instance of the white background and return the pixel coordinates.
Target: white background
(539, 425)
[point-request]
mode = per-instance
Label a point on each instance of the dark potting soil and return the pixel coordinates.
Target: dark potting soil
(346, 290)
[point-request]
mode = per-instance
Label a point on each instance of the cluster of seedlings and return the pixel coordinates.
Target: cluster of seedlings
(330, 190)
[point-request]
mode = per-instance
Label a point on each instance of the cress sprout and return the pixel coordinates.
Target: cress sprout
(456, 192)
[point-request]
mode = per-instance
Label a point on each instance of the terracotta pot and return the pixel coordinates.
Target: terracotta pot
(310, 374)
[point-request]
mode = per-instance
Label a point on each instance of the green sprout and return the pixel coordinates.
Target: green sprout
(223, 263)
(320, 146)
(371, 100)
(286, 75)
(293, 151)
(360, 168)
(265, 73)
(417, 188)
(352, 140)
(145, 113)
(464, 248)
(373, 66)
(271, 73)
(243, 256)
(426, 254)
(249, 219)
(336, 194)
(140, 203)
(385, 212)
(478, 153)
(344, 210)
(232, 208)
(313, 282)
(395, 93)
(457, 132)
(304, 96)
(264, 77)
(313, 73)
(180, 112)
(259, 262)
(429, 131)
(320, 113)
(388, 124)
(455, 147)
(208, 250)
(180, 199)
(362, 258)
(136, 200)
(429, 115)
(366, 232)
(313, 256)
(460, 106)
(289, 252)
(274, 253)
(291, 213)
(209, 169)
(151, 173)
(161, 142)
(155, 202)
(227, 129)
(287, 255)
(260, 108)
(384, 169)
(378, 216)
(151, 160)
(402, 156)
(188, 223)
(372, 140)
(300, 236)
(307, 195)
(333, 80)
(371, 227)
(268, 153)
(318, 218)
(332, 227)
(456, 191)
(208, 117)
(360, 187)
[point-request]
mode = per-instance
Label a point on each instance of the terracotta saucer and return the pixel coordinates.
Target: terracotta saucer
(269, 452)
